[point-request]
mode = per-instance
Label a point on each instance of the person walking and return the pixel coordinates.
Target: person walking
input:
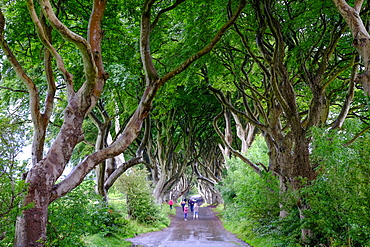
(183, 203)
(185, 212)
(170, 202)
(191, 204)
(196, 211)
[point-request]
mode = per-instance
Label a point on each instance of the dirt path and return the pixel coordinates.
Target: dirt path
(207, 231)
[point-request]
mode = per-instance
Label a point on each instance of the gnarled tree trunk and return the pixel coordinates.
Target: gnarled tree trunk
(45, 171)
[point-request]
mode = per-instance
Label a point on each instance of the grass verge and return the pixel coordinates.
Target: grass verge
(242, 231)
(129, 228)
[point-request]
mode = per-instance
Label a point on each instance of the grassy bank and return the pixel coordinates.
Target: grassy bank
(124, 226)
(242, 232)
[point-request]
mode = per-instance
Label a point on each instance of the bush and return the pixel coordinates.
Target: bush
(340, 198)
(255, 201)
(12, 187)
(81, 212)
(252, 201)
(140, 203)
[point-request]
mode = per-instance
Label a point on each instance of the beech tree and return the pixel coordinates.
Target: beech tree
(82, 91)
(168, 157)
(181, 136)
(284, 79)
(209, 169)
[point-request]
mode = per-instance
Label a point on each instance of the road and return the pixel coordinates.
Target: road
(207, 231)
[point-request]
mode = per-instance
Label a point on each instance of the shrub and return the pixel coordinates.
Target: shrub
(255, 202)
(79, 213)
(339, 198)
(12, 187)
(250, 200)
(140, 203)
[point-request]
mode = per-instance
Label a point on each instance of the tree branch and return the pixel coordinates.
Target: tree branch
(178, 2)
(44, 39)
(206, 49)
(350, 94)
(361, 37)
(357, 5)
(151, 74)
(14, 90)
(49, 101)
(357, 136)
(120, 170)
(221, 97)
(95, 36)
(37, 118)
(235, 152)
(81, 43)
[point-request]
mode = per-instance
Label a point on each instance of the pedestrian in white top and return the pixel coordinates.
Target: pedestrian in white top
(196, 210)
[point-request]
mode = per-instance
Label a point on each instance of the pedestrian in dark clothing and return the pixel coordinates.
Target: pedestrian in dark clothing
(191, 205)
(183, 203)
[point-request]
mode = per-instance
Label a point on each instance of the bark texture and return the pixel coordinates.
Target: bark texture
(273, 106)
(361, 37)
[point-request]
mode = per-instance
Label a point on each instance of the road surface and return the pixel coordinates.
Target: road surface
(207, 231)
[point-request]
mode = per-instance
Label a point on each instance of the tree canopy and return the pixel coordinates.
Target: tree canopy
(181, 87)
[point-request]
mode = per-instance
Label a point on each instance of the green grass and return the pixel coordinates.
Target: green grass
(110, 241)
(242, 232)
(118, 202)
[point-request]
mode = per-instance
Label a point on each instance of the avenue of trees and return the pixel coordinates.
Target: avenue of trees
(262, 105)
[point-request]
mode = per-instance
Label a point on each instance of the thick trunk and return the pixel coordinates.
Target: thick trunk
(245, 133)
(31, 225)
(158, 189)
(290, 161)
(209, 194)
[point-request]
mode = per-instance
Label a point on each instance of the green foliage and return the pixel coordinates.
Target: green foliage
(252, 200)
(109, 241)
(258, 153)
(140, 203)
(130, 228)
(117, 201)
(339, 198)
(12, 192)
(12, 187)
(255, 202)
(81, 212)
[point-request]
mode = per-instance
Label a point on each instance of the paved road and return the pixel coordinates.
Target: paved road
(207, 231)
